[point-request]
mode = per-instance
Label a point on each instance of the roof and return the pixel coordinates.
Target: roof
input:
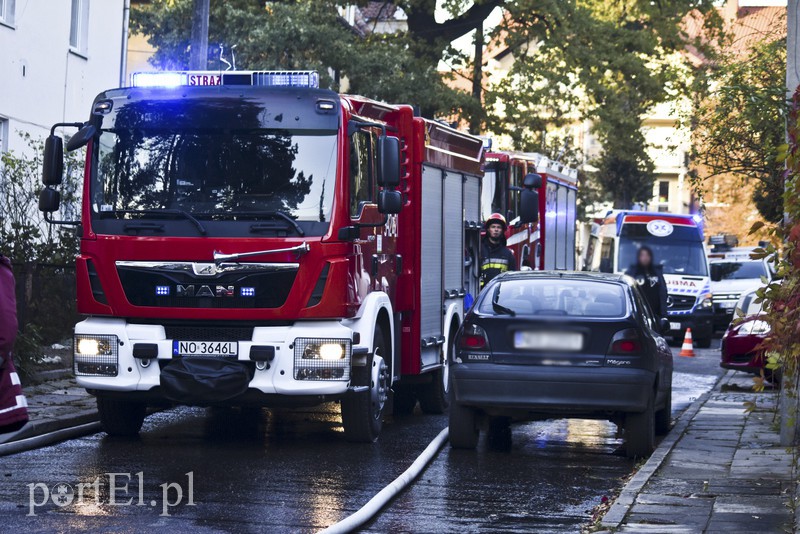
(568, 275)
(380, 10)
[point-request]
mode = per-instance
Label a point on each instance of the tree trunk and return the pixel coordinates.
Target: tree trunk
(198, 59)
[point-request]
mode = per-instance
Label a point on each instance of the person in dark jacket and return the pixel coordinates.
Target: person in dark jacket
(496, 258)
(13, 406)
(650, 280)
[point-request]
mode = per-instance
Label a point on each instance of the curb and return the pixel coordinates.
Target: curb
(624, 502)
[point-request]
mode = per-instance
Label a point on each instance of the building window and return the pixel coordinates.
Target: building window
(7, 12)
(79, 26)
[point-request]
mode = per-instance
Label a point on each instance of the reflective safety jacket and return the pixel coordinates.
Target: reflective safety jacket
(495, 259)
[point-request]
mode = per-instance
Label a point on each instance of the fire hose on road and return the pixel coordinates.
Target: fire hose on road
(375, 504)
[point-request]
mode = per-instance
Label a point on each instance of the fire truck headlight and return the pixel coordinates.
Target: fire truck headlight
(96, 355)
(322, 359)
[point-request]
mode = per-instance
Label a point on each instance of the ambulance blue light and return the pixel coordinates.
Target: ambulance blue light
(158, 79)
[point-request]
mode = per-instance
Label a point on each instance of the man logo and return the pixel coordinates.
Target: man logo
(193, 290)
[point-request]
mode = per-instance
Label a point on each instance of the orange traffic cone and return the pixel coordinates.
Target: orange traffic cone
(687, 350)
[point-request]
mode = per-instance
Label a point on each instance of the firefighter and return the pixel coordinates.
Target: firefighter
(496, 258)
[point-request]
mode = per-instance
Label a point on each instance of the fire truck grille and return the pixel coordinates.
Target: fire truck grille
(163, 289)
(680, 302)
(209, 333)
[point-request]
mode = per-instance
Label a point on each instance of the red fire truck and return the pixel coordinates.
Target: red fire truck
(547, 241)
(251, 239)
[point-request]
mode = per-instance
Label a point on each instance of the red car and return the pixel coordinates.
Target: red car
(741, 344)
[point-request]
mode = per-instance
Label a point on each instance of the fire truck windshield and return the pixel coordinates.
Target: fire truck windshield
(223, 166)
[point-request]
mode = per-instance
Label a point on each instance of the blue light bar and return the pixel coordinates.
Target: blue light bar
(247, 291)
(162, 291)
(158, 79)
(308, 78)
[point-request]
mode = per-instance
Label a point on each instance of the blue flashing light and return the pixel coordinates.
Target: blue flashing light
(697, 218)
(247, 291)
(162, 291)
(158, 79)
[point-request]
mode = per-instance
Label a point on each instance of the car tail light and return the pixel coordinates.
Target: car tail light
(473, 337)
(626, 343)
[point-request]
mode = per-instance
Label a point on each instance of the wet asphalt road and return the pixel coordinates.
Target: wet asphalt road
(292, 471)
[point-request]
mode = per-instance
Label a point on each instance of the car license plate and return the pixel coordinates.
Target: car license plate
(674, 326)
(205, 348)
(559, 341)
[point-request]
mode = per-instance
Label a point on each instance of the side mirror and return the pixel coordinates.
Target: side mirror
(53, 164)
(532, 181)
(390, 202)
(49, 200)
(388, 162)
(528, 206)
(81, 138)
(663, 325)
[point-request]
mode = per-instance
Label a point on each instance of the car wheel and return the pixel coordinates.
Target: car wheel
(463, 427)
(664, 416)
(121, 418)
(640, 435)
(362, 412)
(703, 342)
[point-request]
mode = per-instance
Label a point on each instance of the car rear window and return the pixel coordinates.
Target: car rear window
(555, 297)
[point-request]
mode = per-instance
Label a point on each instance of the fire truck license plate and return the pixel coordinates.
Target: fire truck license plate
(205, 348)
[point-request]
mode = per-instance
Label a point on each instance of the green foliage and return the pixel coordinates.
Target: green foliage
(575, 60)
(25, 237)
(781, 299)
(740, 127)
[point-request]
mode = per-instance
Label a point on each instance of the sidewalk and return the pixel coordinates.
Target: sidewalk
(725, 473)
(53, 405)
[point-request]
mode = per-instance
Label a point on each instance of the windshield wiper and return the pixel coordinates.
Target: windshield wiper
(282, 215)
(180, 213)
(499, 308)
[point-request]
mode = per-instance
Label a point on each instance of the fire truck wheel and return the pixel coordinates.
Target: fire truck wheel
(434, 397)
(362, 413)
(120, 418)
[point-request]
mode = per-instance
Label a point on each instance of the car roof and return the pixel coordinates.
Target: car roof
(564, 275)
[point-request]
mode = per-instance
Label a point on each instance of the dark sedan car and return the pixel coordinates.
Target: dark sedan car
(742, 344)
(542, 345)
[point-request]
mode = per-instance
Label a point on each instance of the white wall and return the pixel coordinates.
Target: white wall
(41, 80)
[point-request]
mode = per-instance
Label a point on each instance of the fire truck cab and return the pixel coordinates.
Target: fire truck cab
(251, 239)
(548, 240)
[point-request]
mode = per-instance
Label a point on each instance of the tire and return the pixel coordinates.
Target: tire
(703, 342)
(434, 398)
(362, 413)
(463, 427)
(640, 435)
(121, 418)
(664, 416)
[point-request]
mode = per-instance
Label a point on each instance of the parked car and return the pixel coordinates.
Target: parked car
(730, 278)
(741, 344)
(549, 344)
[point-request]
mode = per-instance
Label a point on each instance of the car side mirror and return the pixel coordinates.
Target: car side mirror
(81, 138)
(49, 200)
(53, 164)
(390, 202)
(388, 161)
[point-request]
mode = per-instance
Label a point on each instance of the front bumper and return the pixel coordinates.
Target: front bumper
(552, 390)
(701, 323)
(276, 379)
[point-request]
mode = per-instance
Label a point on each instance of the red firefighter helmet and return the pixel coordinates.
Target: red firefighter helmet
(496, 218)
